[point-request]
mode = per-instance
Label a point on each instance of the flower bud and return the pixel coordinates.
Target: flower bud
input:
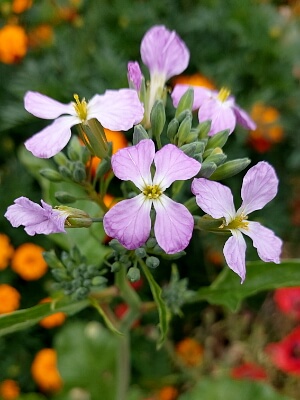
(116, 245)
(60, 159)
(151, 242)
(230, 168)
(172, 128)
(186, 102)
(140, 252)
(218, 140)
(116, 266)
(157, 118)
(64, 197)
(184, 130)
(208, 223)
(139, 133)
(134, 274)
(52, 260)
(203, 128)
(152, 262)
(217, 156)
(79, 173)
(51, 175)
(65, 172)
(189, 149)
(103, 167)
(98, 280)
(207, 168)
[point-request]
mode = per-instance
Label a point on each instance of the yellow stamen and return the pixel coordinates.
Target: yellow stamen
(223, 94)
(152, 192)
(238, 222)
(80, 108)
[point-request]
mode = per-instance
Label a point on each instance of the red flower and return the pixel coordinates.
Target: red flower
(288, 300)
(286, 354)
(249, 371)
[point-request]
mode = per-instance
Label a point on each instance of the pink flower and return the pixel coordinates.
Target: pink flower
(115, 110)
(129, 220)
(36, 219)
(165, 55)
(288, 300)
(259, 187)
(286, 354)
(218, 107)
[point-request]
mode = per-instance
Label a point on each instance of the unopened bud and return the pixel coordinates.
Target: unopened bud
(217, 156)
(140, 252)
(51, 175)
(207, 168)
(203, 128)
(60, 158)
(186, 102)
(134, 274)
(151, 242)
(152, 262)
(79, 173)
(65, 171)
(103, 167)
(139, 133)
(172, 128)
(116, 245)
(98, 280)
(184, 130)
(218, 140)
(52, 260)
(76, 218)
(64, 197)
(116, 266)
(157, 118)
(230, 168)
(189, 149)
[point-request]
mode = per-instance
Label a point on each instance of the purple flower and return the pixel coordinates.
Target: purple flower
(259, 187)
(36, 219)
(134, 75)
(218, 107)
(115, 110)
(129, 221)
(165, 55)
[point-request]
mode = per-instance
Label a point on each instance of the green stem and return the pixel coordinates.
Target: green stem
(123, 367)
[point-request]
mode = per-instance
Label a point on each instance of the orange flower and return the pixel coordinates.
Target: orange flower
(44, 371)
(42, 35)
(109, 200)
(6, 251)
(118, 140)
(13, 44)
(53, 320)
(268, 130)
(9, 390)
(28, 262)
(9, 299)
(194, 80)
(168, 393)
(19, 6)
(190, 352)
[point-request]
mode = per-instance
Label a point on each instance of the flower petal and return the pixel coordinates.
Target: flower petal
(260, 186)
(173, 226)
(243, 118)
(129, 221)
(43, 106)
(34, 218)
(214, 198)
(133, 163)
(200, 95)
(220, 114)
(173, 164)
(52, 139)
(163, 52)
(117, 110)
(268, 245)
(234, 251)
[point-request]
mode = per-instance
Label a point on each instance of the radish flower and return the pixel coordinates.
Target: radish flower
(259, 187)
(115, 110)
(129, 220)
(218, 107)
(35, 218)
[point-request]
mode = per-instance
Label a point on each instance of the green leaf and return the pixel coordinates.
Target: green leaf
(23, 319)
(223, 388)
(163, 311)
(229, 292)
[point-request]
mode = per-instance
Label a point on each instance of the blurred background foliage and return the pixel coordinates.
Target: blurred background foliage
(83, 46)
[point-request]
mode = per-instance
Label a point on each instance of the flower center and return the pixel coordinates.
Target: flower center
(238, 222)
(80, 108)
(223, 94)
(152, 191)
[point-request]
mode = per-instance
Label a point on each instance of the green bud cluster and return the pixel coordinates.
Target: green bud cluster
(73, 275)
